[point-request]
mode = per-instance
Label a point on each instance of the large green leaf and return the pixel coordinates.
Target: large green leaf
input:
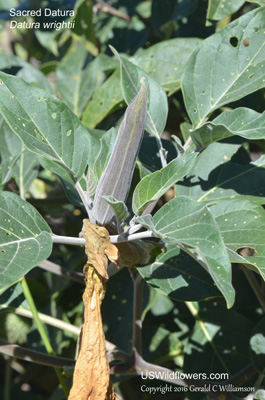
(93, 76)
(105, 99)
(171, 55)
(243, 122)
(69, 77)
(235, 60)
(242, 225)
(191, 226)
(44, 123)
(165, 61)
(179, 276)
(76, 82)
(217, 174)
(25, 238)
(155, 185)
(17, 161)
(157, 107)
(218, 9)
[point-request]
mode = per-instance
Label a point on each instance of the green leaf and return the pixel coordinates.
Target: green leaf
(27, 71)
(116, 178)
(217, 175)
(48, 39)
(93, 76)
(243, 122)
(258, 2)
(17, 162)
(25, 238)
(171, 54)
(76, 82)
(105, 99)
(235, 66)
(69, 77)
(242, 226)
(130, 83)
(219, 9)
(155, 185)
(191, 226)
(44, 123)
(179, 276)
(165, 61)
(119, 207)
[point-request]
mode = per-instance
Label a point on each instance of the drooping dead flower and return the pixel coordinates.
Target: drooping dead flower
(91, 379)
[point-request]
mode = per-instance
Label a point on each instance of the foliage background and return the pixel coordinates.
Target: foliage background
(78, 66)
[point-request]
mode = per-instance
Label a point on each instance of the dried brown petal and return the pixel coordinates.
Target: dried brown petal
(91, 379)
(98, 247)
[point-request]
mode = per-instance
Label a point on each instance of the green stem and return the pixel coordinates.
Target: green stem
(42, 332)
(44, 318)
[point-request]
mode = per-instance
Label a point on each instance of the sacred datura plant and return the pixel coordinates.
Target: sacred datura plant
(133, 177)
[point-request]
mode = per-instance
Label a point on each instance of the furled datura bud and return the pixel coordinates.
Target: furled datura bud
(116, 179)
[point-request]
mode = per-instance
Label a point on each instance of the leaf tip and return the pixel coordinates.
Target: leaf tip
(114, 51)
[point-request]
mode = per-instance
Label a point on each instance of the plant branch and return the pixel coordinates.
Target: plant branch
(118, 355)
(83, 197)
(162, 152)
(255, 286)
(60, 271)
(126, 368)
(103, 7)
(188, 143)
(113, 238)
(133, 229)
(42, 332)
(37, 357)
